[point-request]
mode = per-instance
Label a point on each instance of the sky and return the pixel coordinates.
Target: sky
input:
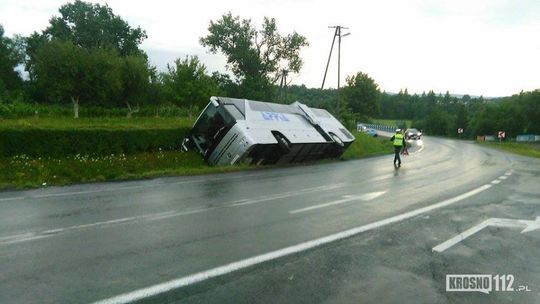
(476, 47)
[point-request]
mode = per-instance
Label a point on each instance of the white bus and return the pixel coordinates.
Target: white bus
(231, 131)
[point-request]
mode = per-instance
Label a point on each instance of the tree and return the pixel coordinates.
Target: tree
(437, 123)
(187, 84)
(256, 57)
(361, 94)
(461, 119)
(66, 73)
(135, 81)
(92, 26)
(94, 30)
(10, 57)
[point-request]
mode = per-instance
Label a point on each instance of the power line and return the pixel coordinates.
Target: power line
(337, 33)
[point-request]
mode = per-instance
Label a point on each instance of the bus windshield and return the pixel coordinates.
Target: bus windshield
(210, 128)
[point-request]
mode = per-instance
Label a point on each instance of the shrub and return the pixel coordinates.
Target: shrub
(60, 142)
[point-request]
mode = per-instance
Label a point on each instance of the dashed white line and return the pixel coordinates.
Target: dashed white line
(363, 197)
(30, 236)
(12, 198)
(503, 177)
(228, 268)
(495, 181)
(284, 195)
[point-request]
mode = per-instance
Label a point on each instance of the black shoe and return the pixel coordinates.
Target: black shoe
(399, 165)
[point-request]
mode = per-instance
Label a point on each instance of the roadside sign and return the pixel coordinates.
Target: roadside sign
(460, 131)
(501, 134)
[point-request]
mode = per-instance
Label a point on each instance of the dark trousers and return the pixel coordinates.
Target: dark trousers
(397, 149)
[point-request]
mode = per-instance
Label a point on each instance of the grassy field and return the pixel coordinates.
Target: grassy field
(27, 172)
(526, 149)
(114, 123)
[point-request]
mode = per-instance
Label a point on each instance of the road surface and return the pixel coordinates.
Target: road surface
(341, 232)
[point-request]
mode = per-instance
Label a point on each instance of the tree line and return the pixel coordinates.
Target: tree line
(443, 114)
(89, 56)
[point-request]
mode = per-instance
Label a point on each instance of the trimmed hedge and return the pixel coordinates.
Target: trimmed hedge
(60, 143)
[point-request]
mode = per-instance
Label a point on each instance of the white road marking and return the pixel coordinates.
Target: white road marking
(382, 177)
(346, 198)
(93, 191)
(11, 237)
(508, 173)
(12, 198)
(225, 269)
(503, 177)
(284, 195)
(495, 181)
(497, 222)
(119, 188)
(30, 236)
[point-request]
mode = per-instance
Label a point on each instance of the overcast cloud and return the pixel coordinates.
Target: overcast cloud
(477, 47)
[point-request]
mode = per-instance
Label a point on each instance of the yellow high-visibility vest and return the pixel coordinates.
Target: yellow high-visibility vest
(398, 140)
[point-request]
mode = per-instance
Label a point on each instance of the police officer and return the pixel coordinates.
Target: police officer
(399, 143)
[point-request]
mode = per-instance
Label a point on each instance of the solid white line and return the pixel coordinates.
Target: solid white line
(364, 197)
(218, 271)
(495, 181)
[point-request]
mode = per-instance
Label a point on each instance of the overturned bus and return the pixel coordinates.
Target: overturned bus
(231, 131)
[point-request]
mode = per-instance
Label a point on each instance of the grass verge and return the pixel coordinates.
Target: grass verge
(525, 149)
(22, 171)
(26, 172)
(365, 146)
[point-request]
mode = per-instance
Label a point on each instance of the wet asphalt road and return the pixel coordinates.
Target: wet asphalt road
(85, 243)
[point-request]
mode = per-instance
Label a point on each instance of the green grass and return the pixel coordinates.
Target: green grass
(526, 149)
(365, 146)
(27, 172)
(110, 123)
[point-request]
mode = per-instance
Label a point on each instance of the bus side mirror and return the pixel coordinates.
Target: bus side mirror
(214, 101)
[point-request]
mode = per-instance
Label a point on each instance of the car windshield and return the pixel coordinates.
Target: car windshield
(210, 127)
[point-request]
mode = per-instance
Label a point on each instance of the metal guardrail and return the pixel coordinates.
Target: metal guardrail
(384, 128)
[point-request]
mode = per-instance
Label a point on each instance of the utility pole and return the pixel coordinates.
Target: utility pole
(337, 33)
(283, 85)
